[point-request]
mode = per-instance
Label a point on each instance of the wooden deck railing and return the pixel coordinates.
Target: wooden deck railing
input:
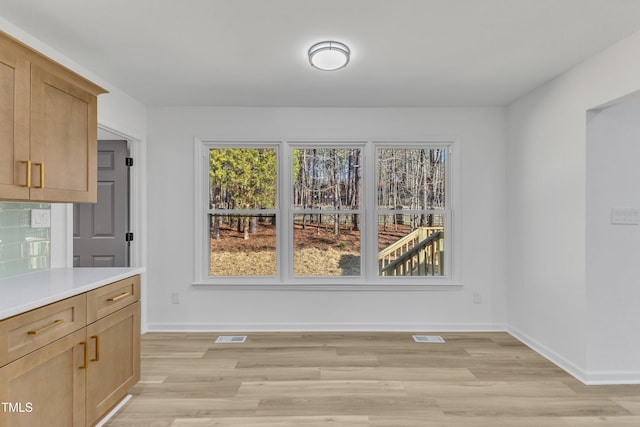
(419, 253)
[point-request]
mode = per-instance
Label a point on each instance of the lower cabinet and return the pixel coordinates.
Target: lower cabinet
(72, 381)
(46, 387)
(114, 360)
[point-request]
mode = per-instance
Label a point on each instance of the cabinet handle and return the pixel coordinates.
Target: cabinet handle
(85, 357)
(44, 328)
(122, 295)
(27, 163)
(97, 358)
(41, 165)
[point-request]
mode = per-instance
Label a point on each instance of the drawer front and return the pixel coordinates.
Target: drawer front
(110, 298)
(24, 333)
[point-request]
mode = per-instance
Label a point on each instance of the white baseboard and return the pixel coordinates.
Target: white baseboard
(549, 354)
(325, 327)
(612, 377)
(584, 376)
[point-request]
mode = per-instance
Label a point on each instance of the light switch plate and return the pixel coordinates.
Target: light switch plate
(40, 218)
(625, 216)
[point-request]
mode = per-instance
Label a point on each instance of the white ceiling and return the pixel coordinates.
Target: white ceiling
(253, 52)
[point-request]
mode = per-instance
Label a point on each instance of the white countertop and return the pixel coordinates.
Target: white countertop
(25, 292)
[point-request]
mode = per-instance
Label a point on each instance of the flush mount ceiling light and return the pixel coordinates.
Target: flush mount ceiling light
(329, 55)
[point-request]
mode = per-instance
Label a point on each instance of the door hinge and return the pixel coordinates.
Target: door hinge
(128, 237)
(128, 161)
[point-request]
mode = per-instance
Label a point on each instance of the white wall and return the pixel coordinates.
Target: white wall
(546, 157)
(481, 135)
(613, 251)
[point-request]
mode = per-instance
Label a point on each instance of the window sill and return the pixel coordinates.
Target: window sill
(445, 285)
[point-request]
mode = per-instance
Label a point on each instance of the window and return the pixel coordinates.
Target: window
(326, 211)
(242, 211)
(412, 211)
(341, 214)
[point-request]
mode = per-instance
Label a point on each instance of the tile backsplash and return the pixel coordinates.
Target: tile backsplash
(23, 248)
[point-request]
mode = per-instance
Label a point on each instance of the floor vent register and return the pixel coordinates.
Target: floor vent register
(428, 338)
(233, 339)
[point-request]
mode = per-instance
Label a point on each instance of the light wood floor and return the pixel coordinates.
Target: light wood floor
(363, 379)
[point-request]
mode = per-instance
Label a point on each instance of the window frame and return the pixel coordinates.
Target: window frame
(369, 278)
(333, 280)
(446, 213)
(276, 211)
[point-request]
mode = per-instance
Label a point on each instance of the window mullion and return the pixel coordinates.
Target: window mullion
(285, 236)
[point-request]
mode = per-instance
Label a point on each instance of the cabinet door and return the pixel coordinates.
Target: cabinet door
(114, 360)
(14, 122)
(63, 137)
(46, 387)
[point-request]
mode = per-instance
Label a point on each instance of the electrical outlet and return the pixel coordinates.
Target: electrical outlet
(477, 297)
(40, 218)
(175, 297)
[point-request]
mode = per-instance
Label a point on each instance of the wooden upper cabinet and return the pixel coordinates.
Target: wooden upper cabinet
(14, 121)
(48, 128)
(63, 138)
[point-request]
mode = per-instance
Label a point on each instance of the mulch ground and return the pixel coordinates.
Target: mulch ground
(317, 251)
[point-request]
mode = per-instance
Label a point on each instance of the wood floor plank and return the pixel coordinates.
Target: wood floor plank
(488, 389)
(143, 407)
(397, 374)
(321, 389)
(248, 374)
(518, 373)
(159, 354)
(465, 421)
(140, 421)
(180, 366)
(312, 360)
(630, 421)
(303, 421)
(363, 379)
(552, 406)
(152, 379)
(349, 405)
(630, 403)
(186, 390)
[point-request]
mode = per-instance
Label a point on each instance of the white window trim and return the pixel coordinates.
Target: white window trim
(369, 278)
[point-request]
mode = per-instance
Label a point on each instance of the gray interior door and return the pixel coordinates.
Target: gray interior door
(100, 229)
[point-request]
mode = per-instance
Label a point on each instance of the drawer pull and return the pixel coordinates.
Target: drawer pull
(44, 328)
(122, 295)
